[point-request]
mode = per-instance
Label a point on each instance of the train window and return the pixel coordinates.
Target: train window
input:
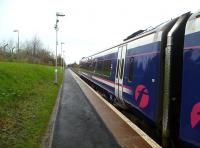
(130, 69)
(107, 67)
(87, 66)
(193, 25)
(99, 67)
(122, 67)
(83, 65)
(90, 66)
(93, 66)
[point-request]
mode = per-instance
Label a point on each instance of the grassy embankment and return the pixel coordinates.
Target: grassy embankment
(27, 97)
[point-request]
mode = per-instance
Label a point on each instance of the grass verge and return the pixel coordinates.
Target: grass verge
(27, 97)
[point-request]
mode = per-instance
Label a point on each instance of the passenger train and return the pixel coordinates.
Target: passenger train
(156, 75)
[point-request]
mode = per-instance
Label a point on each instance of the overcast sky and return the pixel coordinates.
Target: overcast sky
(89, 25)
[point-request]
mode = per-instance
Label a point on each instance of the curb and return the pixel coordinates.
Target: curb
(48, 136)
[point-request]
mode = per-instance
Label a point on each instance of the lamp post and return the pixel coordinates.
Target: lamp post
(58, 14)
(61, 59)
(18, 38)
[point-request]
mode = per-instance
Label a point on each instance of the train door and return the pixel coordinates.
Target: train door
(190, 98)
(120, 73)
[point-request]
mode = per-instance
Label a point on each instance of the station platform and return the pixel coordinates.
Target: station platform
(85, 120)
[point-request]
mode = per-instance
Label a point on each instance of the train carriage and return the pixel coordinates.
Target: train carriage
(132, 72)
(190, 102)
(152, 76)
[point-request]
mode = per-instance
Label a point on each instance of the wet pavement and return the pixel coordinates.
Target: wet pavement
(77, 123)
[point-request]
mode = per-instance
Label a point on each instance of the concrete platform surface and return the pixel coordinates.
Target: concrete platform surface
(77, 123)
(86, 120)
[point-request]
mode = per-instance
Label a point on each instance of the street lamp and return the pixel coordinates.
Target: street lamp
(58, 14)
(18, 38)
(61, 59)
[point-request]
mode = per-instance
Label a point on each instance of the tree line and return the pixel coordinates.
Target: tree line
(31, 51)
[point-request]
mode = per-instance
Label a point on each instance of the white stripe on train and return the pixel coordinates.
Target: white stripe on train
(109, 83)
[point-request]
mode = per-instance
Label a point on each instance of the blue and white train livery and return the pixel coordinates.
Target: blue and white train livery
(155, 74)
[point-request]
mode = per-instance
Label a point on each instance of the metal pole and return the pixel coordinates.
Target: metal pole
(61, 56)
(63, 61)
(56, 28)
(56, 70)
(17, 31)
(18, 41)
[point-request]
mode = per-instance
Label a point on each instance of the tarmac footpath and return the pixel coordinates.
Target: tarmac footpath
(86, 120)
(77, 123)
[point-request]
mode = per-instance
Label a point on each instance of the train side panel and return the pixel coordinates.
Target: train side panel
(142, 88)
(190, 102)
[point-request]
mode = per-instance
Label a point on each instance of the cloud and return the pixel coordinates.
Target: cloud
(89, 26)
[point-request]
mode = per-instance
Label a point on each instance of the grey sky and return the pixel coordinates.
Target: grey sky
(89, 25)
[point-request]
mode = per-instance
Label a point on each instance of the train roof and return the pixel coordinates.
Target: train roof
(136, 35)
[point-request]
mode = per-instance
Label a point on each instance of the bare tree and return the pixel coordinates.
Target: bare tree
(31, 51)
(11, 46)
(36, 44)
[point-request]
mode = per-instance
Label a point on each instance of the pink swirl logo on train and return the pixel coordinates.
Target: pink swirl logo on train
(142, 96)
(195, 115)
